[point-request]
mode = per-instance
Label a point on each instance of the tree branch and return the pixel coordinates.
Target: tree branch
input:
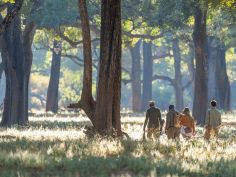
(165, 78)
(74, 57)
(10, 16)
(187, 84)
(3, 6)
(71, 42)
(142, 36)
(155, 57)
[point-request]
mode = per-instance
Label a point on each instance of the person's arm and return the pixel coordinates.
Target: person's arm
(193, 125)
(159, 116)
(167, 122)
(207, 119)
(220, 120)
(146, 121)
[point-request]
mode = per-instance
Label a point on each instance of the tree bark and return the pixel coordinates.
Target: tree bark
(105, 112)
(53, 87)
(136, 77)
(109, 84)
(147, 74)
(200, 91)
(28, 36)
(14, 66)
(218, 81)
(179, 95)
(86, 102)
(17, 59)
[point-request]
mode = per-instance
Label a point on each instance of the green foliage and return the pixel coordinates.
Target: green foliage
(54, 13)
(70, 86)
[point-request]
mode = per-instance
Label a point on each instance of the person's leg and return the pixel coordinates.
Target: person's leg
(157, 133)
(176, 133)
(216, 132)
(207, 134)
(150, 133)
(170, 133)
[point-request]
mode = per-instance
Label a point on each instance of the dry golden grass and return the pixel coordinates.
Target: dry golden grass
(58, 146)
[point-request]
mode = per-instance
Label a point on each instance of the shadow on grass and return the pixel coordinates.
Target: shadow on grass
(222, 168)
(58, 124)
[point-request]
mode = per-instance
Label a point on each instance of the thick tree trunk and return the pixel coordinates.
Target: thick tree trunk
(109, 84)
(179, 95)
(223, 82)
(147, 74)
(53, 87)
(200, 91)
(136, 77)
(218, 81)
(28, 36)
(14, 66)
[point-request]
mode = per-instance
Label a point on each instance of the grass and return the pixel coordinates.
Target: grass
(56, 146)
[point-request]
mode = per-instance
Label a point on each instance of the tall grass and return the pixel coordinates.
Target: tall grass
(58, 146)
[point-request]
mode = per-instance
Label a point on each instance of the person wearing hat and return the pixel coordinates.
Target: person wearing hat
(172, 128)
(153, 121)
(213, 121)
(187, 124)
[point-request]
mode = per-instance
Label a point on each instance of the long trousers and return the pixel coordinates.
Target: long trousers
(211, 132)
(173, 133)
(153, 133)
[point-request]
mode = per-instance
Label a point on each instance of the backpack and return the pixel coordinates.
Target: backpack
(177, 121)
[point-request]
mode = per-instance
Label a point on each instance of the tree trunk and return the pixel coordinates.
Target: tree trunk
(178, 76)
(87, 102)
(218, 81)
(191, 67)
(14, 66)
(147, 74)
(223, 82)
(200, 91)
(28, 36)
(109, 84)
(53, 87)
(136, 77)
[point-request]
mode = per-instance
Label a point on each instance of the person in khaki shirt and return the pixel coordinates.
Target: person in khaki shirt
(213, 121)
(172, 129)
(153, 121)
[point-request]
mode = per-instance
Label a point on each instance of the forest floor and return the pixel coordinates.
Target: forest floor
(56, 145)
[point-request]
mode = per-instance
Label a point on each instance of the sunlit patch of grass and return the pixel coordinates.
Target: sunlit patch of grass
(58, 146)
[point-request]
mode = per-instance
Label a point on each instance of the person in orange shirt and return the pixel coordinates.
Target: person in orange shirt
(187, 124)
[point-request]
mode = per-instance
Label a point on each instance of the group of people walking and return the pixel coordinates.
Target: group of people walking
(177, 124)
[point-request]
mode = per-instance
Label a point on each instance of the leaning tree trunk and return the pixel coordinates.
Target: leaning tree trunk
(147, 74)
(179, 95)
(136, 77)
(53, 87)
(218, 81)
(200, 91)
(109, 84)
(14, 66)
(86, 102)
